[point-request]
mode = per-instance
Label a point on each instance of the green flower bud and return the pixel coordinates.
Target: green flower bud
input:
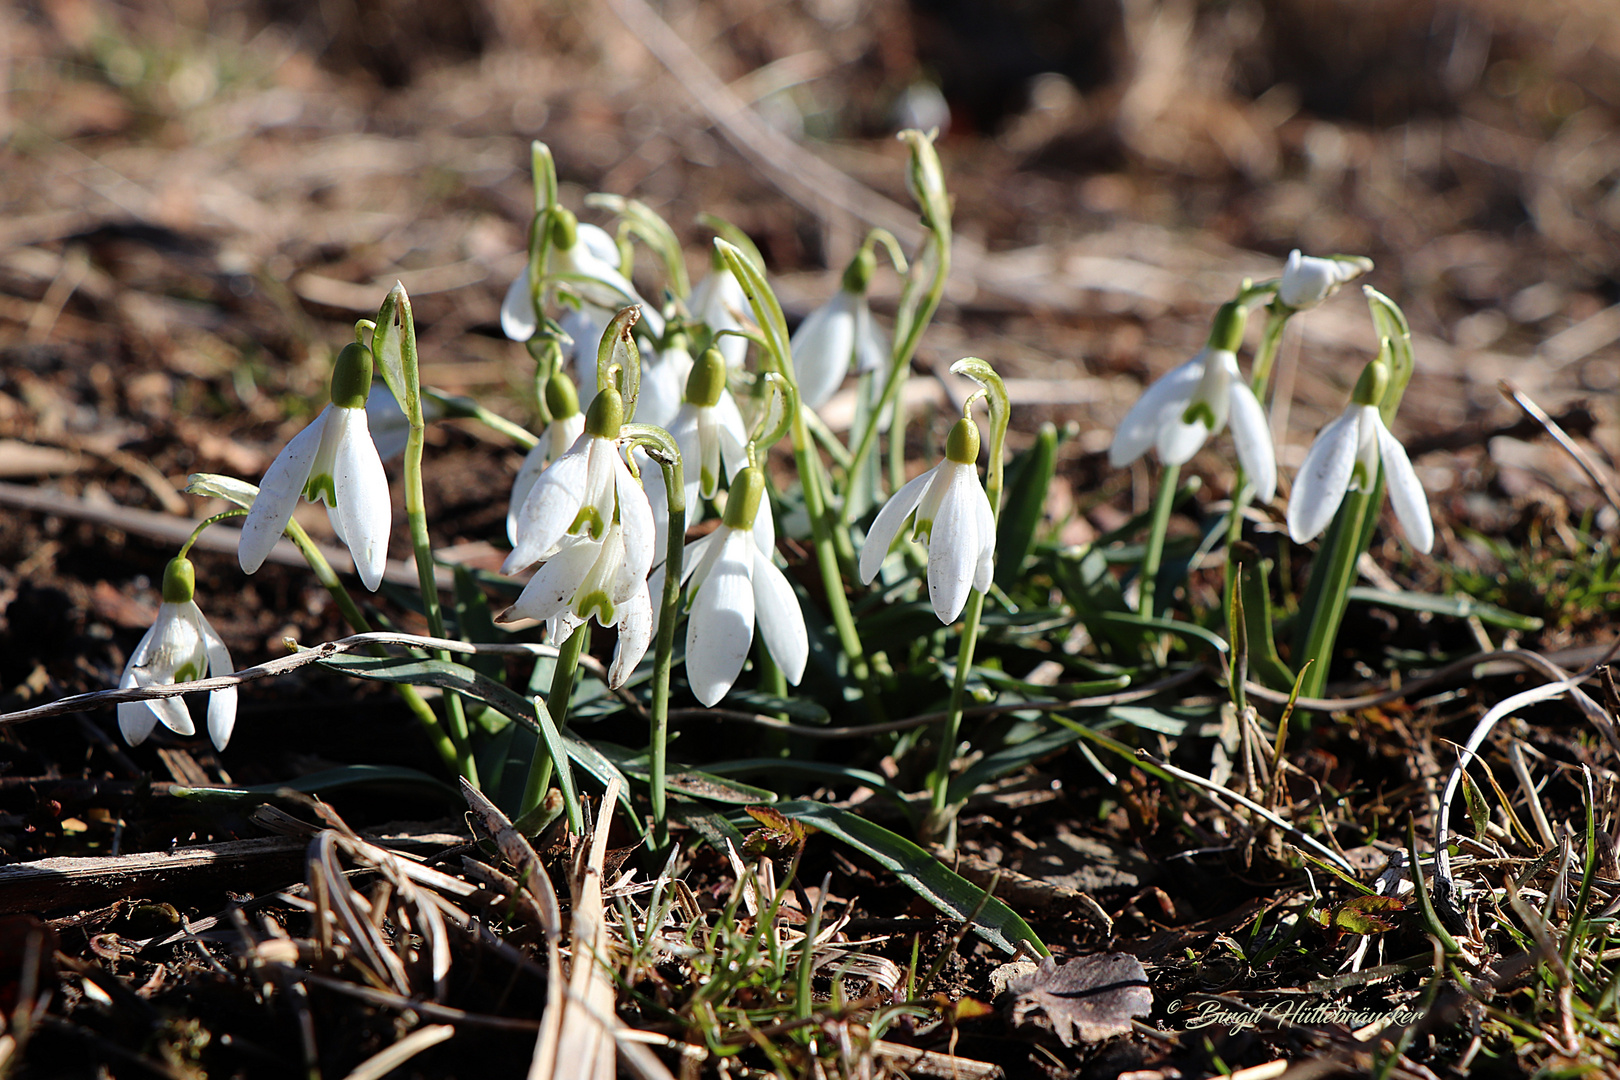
(179, 581)
(606, 414)
(708, 379)
(1227, 332)
(742, 502)
(564, 228)
(562, 400)
(858, 274)
(351, 377)
(1372, 384)
(963, 445)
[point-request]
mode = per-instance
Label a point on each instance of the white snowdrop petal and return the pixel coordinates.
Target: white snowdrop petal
(1406, 492)
(720, 629)
(362, 497)
(221, 703)
(279, 491)
(551, 506)
(708, 459)
(733, 434)
(822, 347)
(174, 714)
(636, 517)
(987, 539)
(552, 587)
(1161, 402)
(699, 556)
(880, 538)
(781, 620)
(534, 463)
(765, 527)
(1323, 478)
(953, 546)
(871, 344)
(517, 309)
(1252, 436)
(136, 719)
(635, 634)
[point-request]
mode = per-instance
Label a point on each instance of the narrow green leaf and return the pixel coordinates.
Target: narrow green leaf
(796, 708)
(926, 875)
(1479, 815)
(1009, 760)
(329, 780)
(1255, 588)
(1174, 626)
(1029, 478)
(1459, 606)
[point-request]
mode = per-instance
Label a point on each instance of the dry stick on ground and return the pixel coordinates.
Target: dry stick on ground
(279, 666)
(1594, 471)
(175, 529)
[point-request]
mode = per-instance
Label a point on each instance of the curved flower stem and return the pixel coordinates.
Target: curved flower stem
(185, 548)
(1153, 554)
(939, 244)
(562, 688)
(416, 518)
(664, 654)
(357, 621)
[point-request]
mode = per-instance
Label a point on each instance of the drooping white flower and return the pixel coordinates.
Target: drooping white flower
(334, 461)
(566, 426)
(583, 492)
(181, 646)
(1345, 457)
(952, 517)
(586, 258)
(709, 429)
(1194, 401)
(736, 587)
(1307, 281)
(602, 579)
(835, 333)
(719, 301)
(663, 380)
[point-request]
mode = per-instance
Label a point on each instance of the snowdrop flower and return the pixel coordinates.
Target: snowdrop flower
(181, 646)
(719, 302)
(603, 579)
(952, 517)
(567, 425)
(1345, 457)
(587, 258)
(736, 586)
(709, 429)
(1307, 281)
(584, 492)
(663, 378)
(1194, 401)
(334, 461)
(839, 330)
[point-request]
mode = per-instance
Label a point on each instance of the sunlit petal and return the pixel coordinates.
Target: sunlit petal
(552, 587)
(1323, 478)
(880, 538)
(635, 634)
(279, 492)
(221, 703)
(781, 620)
(720, 629)
(1251, 434)
(1160, 403)
(362, 496)
(517, 309)
(551, 507)
(953, 547)
(1406, 493)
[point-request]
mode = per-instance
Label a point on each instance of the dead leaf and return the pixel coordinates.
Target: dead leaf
(1088, 999)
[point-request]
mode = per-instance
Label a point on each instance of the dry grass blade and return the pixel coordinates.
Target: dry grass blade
(342, 904)
(585, 1044)
(1594, 471)
(379, 1065)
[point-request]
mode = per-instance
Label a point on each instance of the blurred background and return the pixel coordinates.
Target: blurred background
(200, 198)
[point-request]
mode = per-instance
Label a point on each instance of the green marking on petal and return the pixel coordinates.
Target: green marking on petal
(1359, 480)
(923, 531)
(1199, 412)
(589, 520)
(598, 601)
(187, 672)
(321, 487)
